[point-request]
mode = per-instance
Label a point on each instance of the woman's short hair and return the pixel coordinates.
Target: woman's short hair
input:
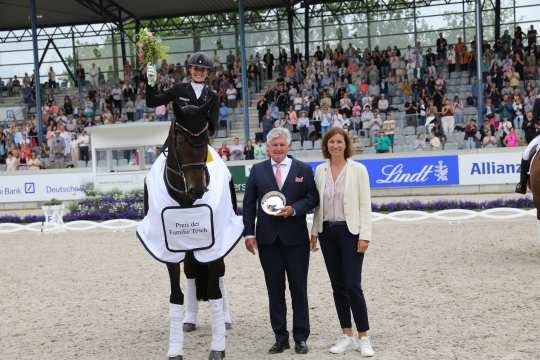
(333, 131)
(277, 133)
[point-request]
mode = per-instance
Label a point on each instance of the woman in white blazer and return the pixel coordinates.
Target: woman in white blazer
(342, 223)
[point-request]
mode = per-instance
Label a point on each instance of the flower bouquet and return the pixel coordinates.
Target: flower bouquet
(150, 48)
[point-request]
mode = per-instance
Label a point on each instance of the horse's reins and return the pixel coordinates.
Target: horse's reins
(182, 167)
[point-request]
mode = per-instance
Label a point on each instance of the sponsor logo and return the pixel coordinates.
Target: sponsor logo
(29, 188)
(492, 168)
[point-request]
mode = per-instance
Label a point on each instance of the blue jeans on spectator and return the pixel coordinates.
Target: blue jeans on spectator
(324, 129)
(459, 118)
(470, 143)
(139, 114)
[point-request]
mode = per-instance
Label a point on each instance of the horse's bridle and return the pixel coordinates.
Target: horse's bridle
(182, 167)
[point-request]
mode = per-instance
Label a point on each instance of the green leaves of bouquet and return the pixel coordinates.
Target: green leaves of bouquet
(150, 47)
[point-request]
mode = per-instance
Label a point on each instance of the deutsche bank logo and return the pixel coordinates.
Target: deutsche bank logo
(29, 188)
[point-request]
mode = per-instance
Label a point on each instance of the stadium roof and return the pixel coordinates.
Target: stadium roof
(15, 14)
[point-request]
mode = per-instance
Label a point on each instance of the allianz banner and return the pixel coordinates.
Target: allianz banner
(489, 168)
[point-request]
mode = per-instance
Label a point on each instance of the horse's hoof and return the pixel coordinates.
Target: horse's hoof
(177, 357)
(228, 326)
(216, 355)
(189, 327)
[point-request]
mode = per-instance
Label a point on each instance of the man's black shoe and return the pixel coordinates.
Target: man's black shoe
(279, 347)
(177, 357)
(301, 347)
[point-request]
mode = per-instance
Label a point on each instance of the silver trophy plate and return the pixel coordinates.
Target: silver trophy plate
(272, 202)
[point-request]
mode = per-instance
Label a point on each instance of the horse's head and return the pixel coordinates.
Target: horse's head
(189, 150)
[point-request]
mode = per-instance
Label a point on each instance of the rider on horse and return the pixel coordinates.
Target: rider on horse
(193, 93)
(194, 103)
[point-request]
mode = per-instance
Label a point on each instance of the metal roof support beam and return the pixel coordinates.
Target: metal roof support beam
(306, 30)
(497, 8)
(62, 60)
(290, 25)
(479, 41)
(123, 44)
(245, 92)
(110, 10)
(37, 82)
(137, 30)
(44, 52)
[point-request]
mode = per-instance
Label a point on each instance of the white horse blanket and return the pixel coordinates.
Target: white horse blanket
(227, 226)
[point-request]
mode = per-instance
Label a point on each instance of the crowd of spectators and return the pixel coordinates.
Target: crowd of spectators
(368, 92)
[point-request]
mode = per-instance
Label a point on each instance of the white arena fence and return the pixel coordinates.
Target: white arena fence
(406, 216)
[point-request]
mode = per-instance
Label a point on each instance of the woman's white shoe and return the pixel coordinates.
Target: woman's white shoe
(343, 344)
(364, 346)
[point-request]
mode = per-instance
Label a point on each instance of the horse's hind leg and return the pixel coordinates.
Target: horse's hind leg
(176, 314)
(226, 308)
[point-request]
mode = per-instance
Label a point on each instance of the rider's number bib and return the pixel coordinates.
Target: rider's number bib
(188, 229)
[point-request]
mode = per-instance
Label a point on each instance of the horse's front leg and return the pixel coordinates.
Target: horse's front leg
(215, 300)
(176, 315)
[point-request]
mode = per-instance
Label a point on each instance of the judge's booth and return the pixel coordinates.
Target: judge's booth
(122, 154)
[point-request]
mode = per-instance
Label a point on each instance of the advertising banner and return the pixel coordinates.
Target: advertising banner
(489, 168)
(42, 187)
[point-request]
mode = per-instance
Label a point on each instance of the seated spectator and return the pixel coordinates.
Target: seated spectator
(419, 142)
(389, 127)
(224, 151)
(259, 150)
(435, 142)
(12, 162)
(489, 141)
(383, 104)
(34, 163)
(236, 150)
(504, 129)
(130, 110)
(410, 112)
(376, 123)
(381, 142)
(249, 151)
(512, 139)
(470, 134)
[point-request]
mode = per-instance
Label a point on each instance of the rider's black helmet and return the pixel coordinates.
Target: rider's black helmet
(200, 59)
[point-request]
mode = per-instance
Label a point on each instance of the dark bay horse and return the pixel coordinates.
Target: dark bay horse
(186, 178)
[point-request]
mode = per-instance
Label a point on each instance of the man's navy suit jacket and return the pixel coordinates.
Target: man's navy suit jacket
(299, 190)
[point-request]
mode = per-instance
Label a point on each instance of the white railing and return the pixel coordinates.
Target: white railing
(406, 216)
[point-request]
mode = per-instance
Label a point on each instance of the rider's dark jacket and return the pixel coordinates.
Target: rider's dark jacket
(182, 95)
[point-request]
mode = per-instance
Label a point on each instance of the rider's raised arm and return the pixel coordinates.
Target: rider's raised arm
(153, 98)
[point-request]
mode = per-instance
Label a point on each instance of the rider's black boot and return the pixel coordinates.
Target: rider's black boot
(521, 188)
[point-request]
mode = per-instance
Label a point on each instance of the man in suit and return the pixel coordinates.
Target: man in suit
(282, 239)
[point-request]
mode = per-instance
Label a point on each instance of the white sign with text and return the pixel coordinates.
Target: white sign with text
(489, 168)
(188, 229)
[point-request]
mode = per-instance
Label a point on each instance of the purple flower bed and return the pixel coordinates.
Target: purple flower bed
(116, 206)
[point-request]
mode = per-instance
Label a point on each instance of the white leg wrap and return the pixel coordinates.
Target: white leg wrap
(176, 333)
(192, 307)
(225, 297)
(218, 325)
